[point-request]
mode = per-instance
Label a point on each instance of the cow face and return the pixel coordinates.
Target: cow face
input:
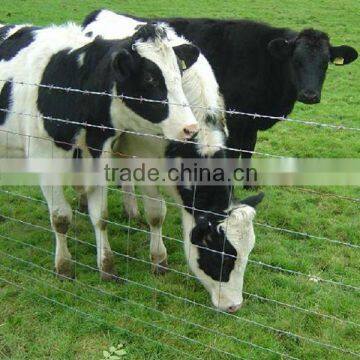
(219, 251)
(309, 55)
(150, 70)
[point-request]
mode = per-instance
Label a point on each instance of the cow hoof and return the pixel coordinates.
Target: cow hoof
(106, 276)
(108, 271)
(161, 268)
(65, 270)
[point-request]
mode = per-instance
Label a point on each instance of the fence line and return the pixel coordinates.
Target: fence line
(303, 234)
(128, 227)
(182, 206)
(256, 296)
(87, 315)
(146, 323)
(319, 193)
(259, 263)
(252, 322)
(256, 262)
(124, 131)
(141, 99)
(101, 291)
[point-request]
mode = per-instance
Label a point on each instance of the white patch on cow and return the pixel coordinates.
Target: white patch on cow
(239, 230)
(110, 25)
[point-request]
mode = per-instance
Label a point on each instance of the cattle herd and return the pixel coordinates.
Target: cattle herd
(211, 65)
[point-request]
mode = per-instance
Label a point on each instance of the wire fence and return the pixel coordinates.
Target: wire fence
(329, 285)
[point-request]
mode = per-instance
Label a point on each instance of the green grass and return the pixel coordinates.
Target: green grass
(34, 328)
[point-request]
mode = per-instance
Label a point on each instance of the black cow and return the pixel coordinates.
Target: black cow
(263, 69)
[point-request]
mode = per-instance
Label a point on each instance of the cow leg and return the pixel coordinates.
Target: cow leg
(97, 206)
(60, 217)
(155, 212)
(129, 201)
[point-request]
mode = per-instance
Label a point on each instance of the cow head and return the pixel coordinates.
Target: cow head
(309, 54)
(219, 249)
(151, 70)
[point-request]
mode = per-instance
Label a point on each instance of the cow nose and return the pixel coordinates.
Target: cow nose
(233, 308)
(189, 131)
(309, 97)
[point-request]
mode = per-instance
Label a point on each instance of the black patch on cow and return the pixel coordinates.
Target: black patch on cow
(77, 154)
(4, 31)
(149, 83)
(150, 32)
(95, 75)
(5, 100)
(91, 17)
(212, 243)
(89, 34)
(21, 39)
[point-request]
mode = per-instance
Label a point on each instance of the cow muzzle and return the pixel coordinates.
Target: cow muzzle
(309, 97)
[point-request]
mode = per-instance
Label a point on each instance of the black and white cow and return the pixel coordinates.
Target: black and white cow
(143, 65)
(260, 69)
(199, 84)
(218, 232)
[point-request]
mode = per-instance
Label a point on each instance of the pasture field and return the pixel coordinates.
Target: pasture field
(35, 328)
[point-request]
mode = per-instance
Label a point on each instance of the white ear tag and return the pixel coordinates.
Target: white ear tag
(339, 61)
(183, 65)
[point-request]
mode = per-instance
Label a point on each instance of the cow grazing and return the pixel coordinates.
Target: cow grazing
(218, 232)
(142, 65)
(260, 69)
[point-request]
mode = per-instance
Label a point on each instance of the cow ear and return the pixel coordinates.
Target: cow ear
(199, 232)
(187, 54)
(124, 65)
(280, 48)
(342, 55)
(254, 200)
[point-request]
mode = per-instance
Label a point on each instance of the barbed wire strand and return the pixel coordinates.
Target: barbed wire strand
(131, 132)
(252, 322)
(87, 315)
(103, 292)
(256, 296)
(272, 227)
(320, 193)
(143, 322)
(141, 99)
(303, 234)
(259, 263)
